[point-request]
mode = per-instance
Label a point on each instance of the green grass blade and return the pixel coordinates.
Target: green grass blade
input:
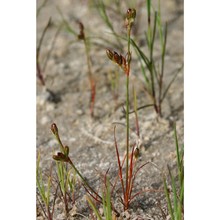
(168, 199)
(41, 188)
(148, 35)
(142, 55)
(159, 23)
(153, 37)
(60, 172)
(108, 200)
(93, 208)
(177, 148)
(175, 197)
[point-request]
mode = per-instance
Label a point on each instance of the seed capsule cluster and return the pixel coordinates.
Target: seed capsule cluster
(116, 58)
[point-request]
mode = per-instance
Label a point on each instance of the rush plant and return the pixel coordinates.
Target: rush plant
(153, 72)
(130, 158)
(124, 63)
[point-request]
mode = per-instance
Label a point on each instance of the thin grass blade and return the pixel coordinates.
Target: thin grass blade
(108, 200)
(175, 196)
(168, 199)
(94, 208)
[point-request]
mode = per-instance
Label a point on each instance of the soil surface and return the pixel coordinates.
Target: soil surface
(65, 100)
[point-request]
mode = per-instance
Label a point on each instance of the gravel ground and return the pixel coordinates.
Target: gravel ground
(91, 140)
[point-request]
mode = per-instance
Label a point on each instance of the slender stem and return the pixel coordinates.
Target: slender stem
(83, 179)
(162, 67)
(127, 110)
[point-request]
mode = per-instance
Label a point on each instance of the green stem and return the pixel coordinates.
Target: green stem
(127, 110)
(83, 179)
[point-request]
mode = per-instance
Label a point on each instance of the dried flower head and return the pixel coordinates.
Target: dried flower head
(116, 58)
(81, 35)
(130, 17)
(136, 152)
(61, 157)
(54, 129)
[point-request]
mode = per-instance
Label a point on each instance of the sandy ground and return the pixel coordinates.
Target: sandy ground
(91, 140)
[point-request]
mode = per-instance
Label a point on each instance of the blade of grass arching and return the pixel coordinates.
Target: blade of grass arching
(65, 22)
(172, 80)
(93, 208)
(141, 107)
(168, 199)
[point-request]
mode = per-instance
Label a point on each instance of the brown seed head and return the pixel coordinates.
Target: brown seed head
(117, 58)
(81, 35)
(110, 54)
(61, 157)
(54, 129)
(130, 17)
(131, 14)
